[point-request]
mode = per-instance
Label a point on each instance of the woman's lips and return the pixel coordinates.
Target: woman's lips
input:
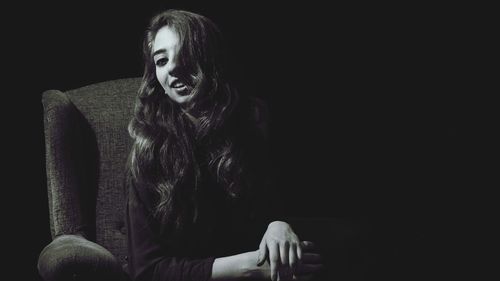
(177, 84)
(180, 89)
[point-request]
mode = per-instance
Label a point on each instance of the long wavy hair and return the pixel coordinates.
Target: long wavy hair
(171, 157)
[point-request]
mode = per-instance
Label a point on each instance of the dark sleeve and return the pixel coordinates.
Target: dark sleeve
(148, 258)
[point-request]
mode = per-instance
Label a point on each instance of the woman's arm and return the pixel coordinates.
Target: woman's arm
(241, 267)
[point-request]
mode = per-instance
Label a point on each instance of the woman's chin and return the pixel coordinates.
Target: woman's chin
(179, 97)
(182, 99)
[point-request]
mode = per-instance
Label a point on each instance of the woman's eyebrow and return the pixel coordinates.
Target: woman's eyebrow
(159, 51)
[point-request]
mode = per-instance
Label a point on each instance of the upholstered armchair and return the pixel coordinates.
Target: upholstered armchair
(87, 145)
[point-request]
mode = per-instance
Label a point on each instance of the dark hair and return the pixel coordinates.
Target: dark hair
(168, 149)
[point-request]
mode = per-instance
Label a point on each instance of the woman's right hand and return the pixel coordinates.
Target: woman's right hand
(305, 269)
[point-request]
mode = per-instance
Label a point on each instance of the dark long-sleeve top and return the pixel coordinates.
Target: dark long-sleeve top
(224, 227)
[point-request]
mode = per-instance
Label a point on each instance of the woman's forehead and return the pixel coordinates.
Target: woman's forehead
(166, 39)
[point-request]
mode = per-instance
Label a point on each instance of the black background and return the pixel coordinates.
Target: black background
(377, 112)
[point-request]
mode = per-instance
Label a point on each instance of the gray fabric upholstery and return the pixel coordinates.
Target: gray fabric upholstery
(87, 145)
(72, 257)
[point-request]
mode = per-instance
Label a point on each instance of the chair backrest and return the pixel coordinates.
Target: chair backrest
(87, 145)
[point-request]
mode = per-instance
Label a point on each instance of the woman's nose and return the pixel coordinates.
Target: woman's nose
(174, 69)
(171, 66)
(173, 63)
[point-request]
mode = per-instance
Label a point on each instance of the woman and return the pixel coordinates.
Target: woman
(199, 194)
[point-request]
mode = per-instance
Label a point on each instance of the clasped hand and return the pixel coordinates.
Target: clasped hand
(288, 258)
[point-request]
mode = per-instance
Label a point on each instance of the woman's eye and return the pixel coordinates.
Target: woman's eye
(161, 62)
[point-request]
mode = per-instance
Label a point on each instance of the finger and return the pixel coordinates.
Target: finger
(308, 268)
(299, 251)
(262, 252)
(292, 257)
(284, 273)
(307, 246)
(285, 269)
(311, 258)
(274, 260)
(284, 250)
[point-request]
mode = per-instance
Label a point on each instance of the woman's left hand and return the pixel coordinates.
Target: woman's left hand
(282, 246)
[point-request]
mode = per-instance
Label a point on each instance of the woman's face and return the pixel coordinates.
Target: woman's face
(166, 49)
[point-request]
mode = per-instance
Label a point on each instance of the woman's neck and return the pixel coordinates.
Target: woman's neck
(190, 116)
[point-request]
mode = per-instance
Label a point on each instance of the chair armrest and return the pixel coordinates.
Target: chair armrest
(72, 257)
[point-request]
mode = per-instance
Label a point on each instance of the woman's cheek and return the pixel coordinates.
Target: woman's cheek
(161, 78)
